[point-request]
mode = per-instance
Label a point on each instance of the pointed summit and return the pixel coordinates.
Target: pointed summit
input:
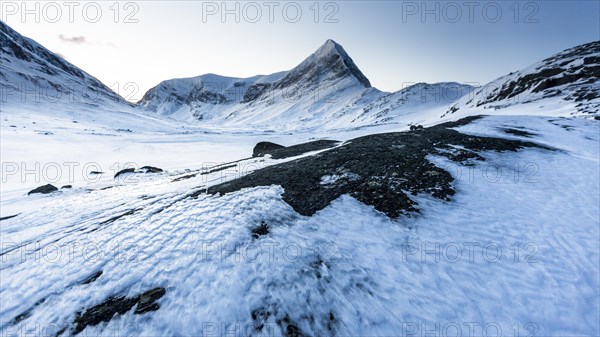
(329, 47)
(329, 64)
(335, 56)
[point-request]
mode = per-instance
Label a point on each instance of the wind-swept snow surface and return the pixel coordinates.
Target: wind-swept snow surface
(515, 252)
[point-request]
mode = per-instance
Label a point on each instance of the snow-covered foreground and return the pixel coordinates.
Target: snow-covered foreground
(516, 252)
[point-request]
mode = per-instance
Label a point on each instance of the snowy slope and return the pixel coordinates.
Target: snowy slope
(208, 94)
(512, 251)
(42, 91)
(565, 84)
(418, 104)
(32, 74)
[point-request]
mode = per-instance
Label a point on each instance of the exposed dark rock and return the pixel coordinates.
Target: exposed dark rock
(218, 168)
(517, 132)
(105, 311)
(66, 187)
(92, 277)
(143, 169)
(255, 91)
(123, 171)
(147, 300)
(151, 169)
(260, 230)
(185, 177)
(290, 328)
(36, 57)
(203, 94)
(96, 172)
(49, 188)
(115, 218)
(555, 73)
(264, 148)
(9, 217)
(260, 316)
(381, 170)
(26, 314)
(280, 152)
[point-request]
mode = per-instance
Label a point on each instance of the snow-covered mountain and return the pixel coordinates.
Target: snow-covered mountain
(326, 89)
(567, 83)
(32, 74)
(308, 93)
(417, 103)
(43, 93)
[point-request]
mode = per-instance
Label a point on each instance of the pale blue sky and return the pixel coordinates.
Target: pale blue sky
(391, 41)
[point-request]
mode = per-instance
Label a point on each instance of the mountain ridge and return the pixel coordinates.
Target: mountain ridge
(568, 78)
(31, 69)
(326, 90)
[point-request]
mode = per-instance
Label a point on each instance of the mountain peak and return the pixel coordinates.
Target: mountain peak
(331, 54)
(329, 47)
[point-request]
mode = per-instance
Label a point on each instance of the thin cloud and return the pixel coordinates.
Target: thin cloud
(74, 39)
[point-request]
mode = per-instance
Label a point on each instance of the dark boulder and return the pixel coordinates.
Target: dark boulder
(264, 148)
(151, 169)
(143, 169)
(123, 171)
(9, 217)
(49, 188)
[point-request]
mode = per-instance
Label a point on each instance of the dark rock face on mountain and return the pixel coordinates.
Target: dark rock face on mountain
(381, 170)
(27, 64)
(255, 91)
(556, 71)
(15, 45)
(572, 75)
(203, 95)
(330, 63)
